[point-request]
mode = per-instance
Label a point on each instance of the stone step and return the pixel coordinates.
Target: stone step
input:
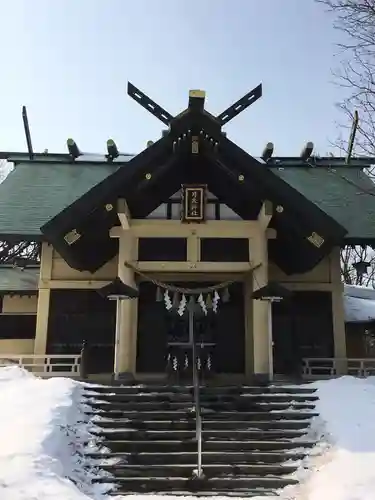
(209, 457)
(239, 493)
(205, 398)
(188, 389)
(253, 438)
(173, 435)
(219, 406)
(151, 484)
(121, 423)
(223, 446)
(210, 470)
(212, 415)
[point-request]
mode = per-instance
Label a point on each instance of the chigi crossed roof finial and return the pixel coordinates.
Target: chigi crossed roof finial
(196, 100)
(195, 120)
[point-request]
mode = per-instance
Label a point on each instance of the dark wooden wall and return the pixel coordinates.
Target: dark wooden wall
(302, 328)
(17, 326)
(78, 315)
(212, 249)
(157, 326)
(360, 340)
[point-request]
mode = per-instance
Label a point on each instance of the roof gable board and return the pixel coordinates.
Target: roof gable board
(119, 182)
(157, 173)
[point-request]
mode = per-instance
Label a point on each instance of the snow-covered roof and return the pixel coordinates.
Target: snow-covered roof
(360, 292)
(101, 158)
(359, 304)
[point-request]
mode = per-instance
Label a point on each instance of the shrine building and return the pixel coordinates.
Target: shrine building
(251, 242)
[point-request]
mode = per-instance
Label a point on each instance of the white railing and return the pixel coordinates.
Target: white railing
(320, 368)
(45, 365)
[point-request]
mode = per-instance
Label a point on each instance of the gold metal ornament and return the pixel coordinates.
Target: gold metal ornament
(72, 236)
(315, 239)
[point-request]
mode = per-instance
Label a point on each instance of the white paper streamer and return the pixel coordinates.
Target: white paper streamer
(202, 303)
(167, 301)
(215, 301)
(182, 306)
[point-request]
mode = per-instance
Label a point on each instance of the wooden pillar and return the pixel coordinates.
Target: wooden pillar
(127, 309)
(262, 336)
(249, 347)
(338, 313)
(41, 331)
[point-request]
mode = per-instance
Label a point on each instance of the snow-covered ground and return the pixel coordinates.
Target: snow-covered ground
(41, 426)
(343, 464)
(42, 430)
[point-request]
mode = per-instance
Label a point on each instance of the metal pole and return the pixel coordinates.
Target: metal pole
(27, 132)
(117, 339)
(198, 420)
(352, 137)
(270, 341)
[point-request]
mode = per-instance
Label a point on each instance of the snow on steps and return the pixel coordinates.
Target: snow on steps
(43, 432)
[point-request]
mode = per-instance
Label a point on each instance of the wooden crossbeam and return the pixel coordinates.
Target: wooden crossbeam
(123, 213)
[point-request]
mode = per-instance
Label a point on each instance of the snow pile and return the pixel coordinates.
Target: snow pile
(346, 470)
(42, 431)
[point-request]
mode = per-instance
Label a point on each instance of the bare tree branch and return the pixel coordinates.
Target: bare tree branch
(17, 253)
(355, 22)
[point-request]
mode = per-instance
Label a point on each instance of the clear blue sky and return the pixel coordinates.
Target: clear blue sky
(69, 61)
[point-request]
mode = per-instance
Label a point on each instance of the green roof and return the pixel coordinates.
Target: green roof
(35, 191)
(345, 193)
(13, 279)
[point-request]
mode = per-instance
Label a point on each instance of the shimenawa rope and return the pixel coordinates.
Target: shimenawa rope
(181, 290)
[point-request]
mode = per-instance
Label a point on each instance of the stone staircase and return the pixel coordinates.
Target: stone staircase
(253, 438)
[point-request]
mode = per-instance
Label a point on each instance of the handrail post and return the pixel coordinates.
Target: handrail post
(196, 383)
(83, 366)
